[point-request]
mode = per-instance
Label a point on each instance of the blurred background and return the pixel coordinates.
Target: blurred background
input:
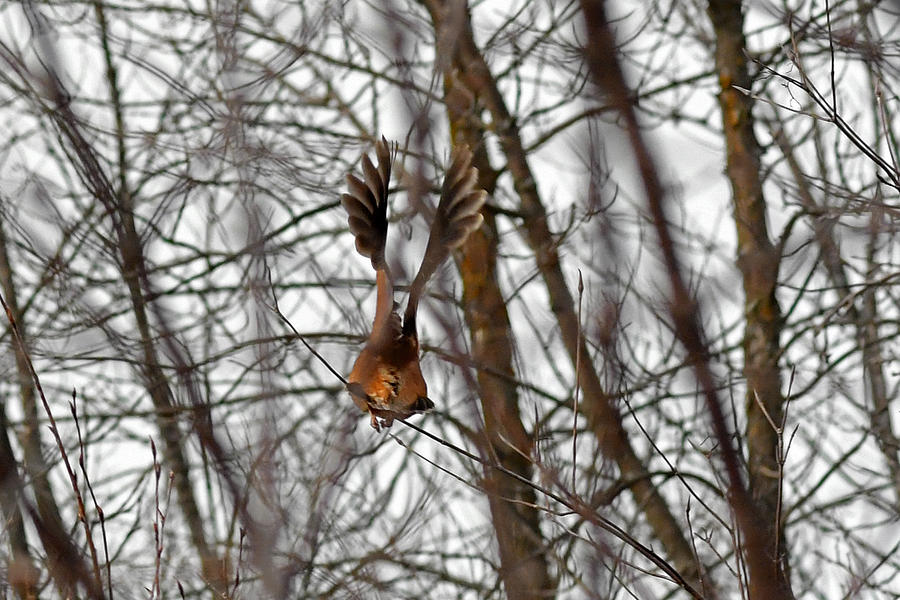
(665, 366)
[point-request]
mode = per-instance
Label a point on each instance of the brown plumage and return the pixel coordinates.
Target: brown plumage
(386, 380)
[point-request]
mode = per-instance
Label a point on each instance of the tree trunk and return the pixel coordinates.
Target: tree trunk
(515, 517)
(602, 414)
(758, 260)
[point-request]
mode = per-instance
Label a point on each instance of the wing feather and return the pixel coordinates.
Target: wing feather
(366, 205)
(458, 215)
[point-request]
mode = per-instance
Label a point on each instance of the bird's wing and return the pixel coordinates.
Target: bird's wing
(458, 214)
(366, 205)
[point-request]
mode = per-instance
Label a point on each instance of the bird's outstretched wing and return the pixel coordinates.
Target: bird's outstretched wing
(366, 205)
(458, 214)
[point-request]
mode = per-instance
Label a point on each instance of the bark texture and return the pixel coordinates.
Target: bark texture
(758, 259)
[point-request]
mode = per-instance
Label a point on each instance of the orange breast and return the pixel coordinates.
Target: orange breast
(390, 376)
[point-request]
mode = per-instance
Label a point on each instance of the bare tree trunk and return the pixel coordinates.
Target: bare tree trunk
(452, 23)
(21, 574)
(516, 519)
(523, 552)
(758, 260)
(765, 581)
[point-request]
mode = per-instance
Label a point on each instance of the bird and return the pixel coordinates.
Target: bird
(386, 379)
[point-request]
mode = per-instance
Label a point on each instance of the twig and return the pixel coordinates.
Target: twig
(278, 312)
(95, 585)
(237, 567)
(159, 521)
(687, 516)
(90, 488)
(573, 504)
(577, 383)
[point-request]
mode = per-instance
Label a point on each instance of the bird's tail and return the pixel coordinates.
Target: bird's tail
(458, 215)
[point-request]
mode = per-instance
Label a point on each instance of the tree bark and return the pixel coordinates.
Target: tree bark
(758, 260)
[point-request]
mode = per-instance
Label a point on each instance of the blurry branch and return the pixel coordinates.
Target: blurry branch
(112, 80)
(55, 100)
(603, 109)
(862, 308)
(600, 51)
(602, 414)
(67, 567)
(578, 386)
(570, 501)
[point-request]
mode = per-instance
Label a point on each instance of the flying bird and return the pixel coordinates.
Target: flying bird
(386, 380)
